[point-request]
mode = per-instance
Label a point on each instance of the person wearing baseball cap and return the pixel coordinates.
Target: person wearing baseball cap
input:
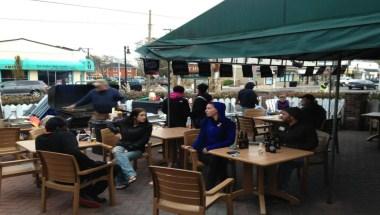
(299, 135)
(103, 98)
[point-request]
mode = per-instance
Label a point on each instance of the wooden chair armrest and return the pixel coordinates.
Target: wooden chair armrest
(16, 162)
(13, 152)
(98, 168)
(220, 186)
(107, 147)
(263, 126)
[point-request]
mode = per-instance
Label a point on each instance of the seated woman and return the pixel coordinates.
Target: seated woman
(217, 131)
(282, 103)
(135, 133)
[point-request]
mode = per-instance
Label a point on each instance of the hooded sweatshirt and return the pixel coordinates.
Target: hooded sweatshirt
(179, 109)
(216, 134)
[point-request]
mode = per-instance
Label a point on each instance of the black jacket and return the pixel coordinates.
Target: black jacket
(198, 111)
(315, 115)
(66, 143)
(132, 138)
(247, 98)
(299, 136)
(179, 111)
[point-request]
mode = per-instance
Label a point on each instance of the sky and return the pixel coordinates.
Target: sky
(104, 26)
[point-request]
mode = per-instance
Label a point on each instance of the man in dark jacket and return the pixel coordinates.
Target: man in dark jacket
(312, 112)
(179, 108)
(103, 98)
(247, 97)
(59, 139)
(299, 135)
(199, 106)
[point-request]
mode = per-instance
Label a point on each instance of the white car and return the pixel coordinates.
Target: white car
(345, 80)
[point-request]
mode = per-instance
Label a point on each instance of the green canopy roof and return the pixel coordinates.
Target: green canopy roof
(284, 29)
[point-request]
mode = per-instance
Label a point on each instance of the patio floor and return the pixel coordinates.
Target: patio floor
(357, 190)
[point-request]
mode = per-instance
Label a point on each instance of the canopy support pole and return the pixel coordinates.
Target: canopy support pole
(168, 96)
(334, 135)
(330, 85)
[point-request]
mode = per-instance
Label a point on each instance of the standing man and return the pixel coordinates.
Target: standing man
(103, 98)
(179, 107)
(313, 113)
(199, 106)
(247, 98)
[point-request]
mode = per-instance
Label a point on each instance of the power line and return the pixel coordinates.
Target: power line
(103, 8)
(70, 22)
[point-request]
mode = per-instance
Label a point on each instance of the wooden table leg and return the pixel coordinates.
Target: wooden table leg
(247, 181)
(261, 192)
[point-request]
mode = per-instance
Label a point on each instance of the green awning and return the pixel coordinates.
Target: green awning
(283, 29)
(85, 65)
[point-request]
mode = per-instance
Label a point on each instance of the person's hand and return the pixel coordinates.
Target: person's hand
(205, 151)
(186, 147)
(70, 107)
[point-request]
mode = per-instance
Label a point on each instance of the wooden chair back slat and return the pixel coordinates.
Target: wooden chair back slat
(9, 137)
(190, 137)
(108, 137)
(178, 186)
(323, 142)
(250, 113)
(59, 167)
(247, 125)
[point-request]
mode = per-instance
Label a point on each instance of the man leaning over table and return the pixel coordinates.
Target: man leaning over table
(58, 139)
(299, 135)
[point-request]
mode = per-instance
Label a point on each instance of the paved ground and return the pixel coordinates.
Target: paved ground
(357, 190)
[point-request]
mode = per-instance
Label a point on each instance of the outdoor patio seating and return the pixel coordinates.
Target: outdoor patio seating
(190, 155)
(183, 192)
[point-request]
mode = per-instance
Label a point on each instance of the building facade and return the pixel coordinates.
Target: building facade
(40, 61)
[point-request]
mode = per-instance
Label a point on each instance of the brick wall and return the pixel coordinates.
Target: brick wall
(355, 105)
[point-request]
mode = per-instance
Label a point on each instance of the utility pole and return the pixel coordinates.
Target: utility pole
(150, 27)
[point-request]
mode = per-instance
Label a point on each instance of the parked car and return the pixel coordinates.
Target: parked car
(34, 88)
(361, 84)
(345, 80)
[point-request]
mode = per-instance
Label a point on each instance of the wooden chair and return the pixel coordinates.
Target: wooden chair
(13, 168)
(183, 192)
(250, 113)
(109, 140)
(9, 137)
(61, 172)
(189, 154)
(320, 157)
(35, 132)
(247, 124)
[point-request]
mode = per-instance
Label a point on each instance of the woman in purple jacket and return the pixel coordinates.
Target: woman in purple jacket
(217, 131)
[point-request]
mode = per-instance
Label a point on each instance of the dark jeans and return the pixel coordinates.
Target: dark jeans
(215, 169)
(285, 171)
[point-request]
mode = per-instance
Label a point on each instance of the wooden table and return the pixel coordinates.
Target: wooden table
(270, 119)
(167, 134)
(30, 145)
(249, 158)
(376, 116)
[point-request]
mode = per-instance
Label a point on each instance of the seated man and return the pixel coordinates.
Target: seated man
(298, 135)
(282, 103)
(58, 139)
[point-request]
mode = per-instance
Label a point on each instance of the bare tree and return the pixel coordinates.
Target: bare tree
(18, 73)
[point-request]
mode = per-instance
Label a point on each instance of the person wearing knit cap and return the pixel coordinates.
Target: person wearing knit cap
(247, 98)
(179, 108)
(299, 135)
(217, 131)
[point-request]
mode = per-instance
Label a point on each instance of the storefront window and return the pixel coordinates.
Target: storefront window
(7, 75)
(52, 78)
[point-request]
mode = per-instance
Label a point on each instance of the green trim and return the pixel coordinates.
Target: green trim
(85, 65)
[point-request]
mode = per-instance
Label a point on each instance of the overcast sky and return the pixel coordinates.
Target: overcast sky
(105, 32)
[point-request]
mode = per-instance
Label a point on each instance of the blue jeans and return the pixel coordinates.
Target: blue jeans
(123, 159)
